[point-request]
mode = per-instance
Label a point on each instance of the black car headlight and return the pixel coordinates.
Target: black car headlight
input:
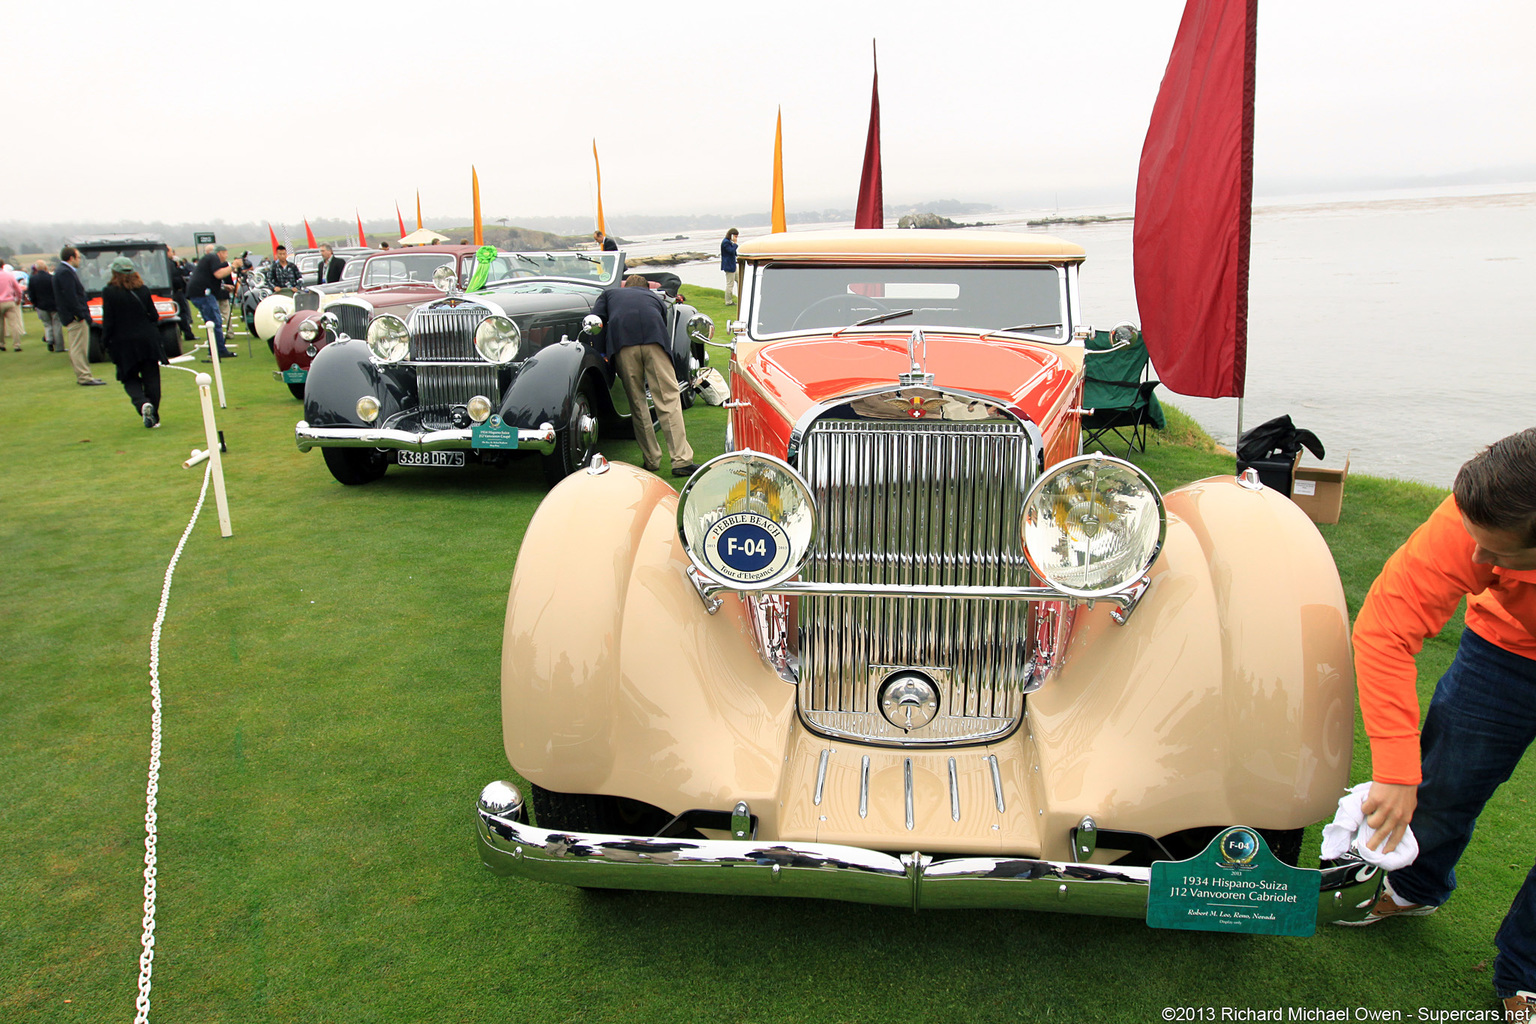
(388, 338)
(498, 339)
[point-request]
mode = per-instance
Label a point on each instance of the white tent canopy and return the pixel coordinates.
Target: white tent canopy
(423, 236)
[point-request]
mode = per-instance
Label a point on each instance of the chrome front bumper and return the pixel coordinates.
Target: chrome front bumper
(540, 439)
(829, 871)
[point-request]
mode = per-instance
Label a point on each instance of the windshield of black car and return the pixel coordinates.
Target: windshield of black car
(806, 298)
(600, 268)
(412, 268)
(96, 267)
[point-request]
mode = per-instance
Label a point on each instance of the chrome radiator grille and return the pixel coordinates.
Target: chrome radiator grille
(447, 336)
(933, 503)
(351, 320)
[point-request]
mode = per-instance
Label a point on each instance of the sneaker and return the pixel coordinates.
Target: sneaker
(1385, 904)
(1520, 1007)
(149, 415)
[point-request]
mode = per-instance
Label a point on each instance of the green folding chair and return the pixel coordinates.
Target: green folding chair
(1117, 390)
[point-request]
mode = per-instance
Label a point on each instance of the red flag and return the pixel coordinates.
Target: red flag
(273, 235)
(361, 241)
(400, 219)
(871, 208)
(1194, 201)
(309, 236)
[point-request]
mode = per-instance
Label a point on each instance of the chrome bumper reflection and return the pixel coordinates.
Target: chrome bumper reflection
(834, 872)
(540, 439)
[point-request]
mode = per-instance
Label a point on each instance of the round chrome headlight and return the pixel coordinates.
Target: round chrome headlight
(309, 330)
(388, 338)
(497, 339)
(280, 314)
(445, 278)
(1093, 525)
(746, 520)
(479, 408)
(367, 408)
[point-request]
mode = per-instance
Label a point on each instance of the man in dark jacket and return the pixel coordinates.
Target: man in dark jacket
(331, 265)
(74, 315)
(635, 341)
(178, 278)
(40, 294)
(728, 263)
(204, 289)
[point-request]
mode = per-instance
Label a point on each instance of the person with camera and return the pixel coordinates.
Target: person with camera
(204, 289)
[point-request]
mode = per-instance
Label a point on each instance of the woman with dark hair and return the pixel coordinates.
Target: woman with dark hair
(130, 330)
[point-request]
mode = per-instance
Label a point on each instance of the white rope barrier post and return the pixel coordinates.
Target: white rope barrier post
(216, 464)
(218, 374)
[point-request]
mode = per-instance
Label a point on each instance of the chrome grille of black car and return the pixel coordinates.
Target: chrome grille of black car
(351, 318)
(447, 335)
(934, 503)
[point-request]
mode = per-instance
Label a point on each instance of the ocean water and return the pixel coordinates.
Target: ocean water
(1394, 326)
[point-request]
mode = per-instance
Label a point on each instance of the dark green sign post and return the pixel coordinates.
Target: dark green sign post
(1235, 885)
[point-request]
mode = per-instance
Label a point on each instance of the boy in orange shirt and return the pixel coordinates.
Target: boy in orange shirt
(1479, 544)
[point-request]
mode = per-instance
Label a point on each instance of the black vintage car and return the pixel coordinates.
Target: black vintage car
(481, 376)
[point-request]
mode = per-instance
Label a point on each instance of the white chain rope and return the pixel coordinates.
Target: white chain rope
(147, 958)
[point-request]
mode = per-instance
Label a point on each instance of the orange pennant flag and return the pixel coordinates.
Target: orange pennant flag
(418, 209)
(474, 178)
(600, 225)
(779, 224)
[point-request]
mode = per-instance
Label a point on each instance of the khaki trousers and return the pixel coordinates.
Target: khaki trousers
(637, 364)
(11, 325)
(77, 341)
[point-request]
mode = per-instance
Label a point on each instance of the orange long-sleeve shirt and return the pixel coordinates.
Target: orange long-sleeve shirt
(1412, 599)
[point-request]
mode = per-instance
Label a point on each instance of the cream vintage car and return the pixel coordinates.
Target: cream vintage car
(904, 643)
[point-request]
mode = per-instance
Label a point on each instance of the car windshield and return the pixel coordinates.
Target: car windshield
(405, 268)
(96, 267)
(600, 268)
(807, 298)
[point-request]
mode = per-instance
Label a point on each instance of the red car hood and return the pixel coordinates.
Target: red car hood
(801, 373)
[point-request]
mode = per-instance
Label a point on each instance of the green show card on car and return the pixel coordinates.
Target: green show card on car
(1234, 885)
(493, 434)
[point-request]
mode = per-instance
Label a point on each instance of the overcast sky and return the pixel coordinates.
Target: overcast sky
(276, 111)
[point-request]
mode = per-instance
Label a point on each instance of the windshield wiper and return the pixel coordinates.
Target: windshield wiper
(876, 319)
(1016, 327)
(589, 259)
(527, 259)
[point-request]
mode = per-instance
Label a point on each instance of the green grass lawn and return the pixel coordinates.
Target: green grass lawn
(332, 709)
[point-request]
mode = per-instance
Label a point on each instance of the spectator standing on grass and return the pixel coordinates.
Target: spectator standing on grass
(74, 315)
(728, 263)
(178, 277)
(331, 265)
(635, 340)
(130, 328)
(282, 275)
(12, 295)
(1480, 544)
(40, 294)
(204, 288)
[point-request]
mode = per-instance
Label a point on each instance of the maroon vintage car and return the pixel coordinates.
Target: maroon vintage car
(393, 281)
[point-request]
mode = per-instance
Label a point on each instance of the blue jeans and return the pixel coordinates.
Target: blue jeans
(1480, 722)
(209, 307)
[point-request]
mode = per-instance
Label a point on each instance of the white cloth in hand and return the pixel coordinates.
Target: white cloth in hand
(1348, 833)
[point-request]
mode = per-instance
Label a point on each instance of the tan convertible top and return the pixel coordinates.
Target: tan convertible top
(907, 243)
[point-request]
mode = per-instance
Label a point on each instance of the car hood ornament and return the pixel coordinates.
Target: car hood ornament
(917, 359)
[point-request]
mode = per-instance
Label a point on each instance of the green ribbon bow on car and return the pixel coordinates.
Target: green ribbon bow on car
(483, 257)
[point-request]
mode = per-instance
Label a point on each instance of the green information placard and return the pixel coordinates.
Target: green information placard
(493, 434)
(1235, 885)
(295, 375)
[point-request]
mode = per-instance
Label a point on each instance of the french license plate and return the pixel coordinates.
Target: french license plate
(410, 458)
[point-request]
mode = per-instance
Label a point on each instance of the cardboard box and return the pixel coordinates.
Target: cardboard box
(1319, 491)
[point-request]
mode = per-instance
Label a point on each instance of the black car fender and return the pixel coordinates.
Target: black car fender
(543, 384)
(341, 374)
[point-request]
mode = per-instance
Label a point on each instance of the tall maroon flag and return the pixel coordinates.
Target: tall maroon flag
(1194, 200)
(871, 209)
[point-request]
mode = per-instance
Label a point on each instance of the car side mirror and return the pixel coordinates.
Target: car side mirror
(701, 328)
(591, 323)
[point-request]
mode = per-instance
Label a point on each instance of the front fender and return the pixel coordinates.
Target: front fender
(1229, 695)
(614, 679)
(342, 373)
(542, 386)
(291, 350)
